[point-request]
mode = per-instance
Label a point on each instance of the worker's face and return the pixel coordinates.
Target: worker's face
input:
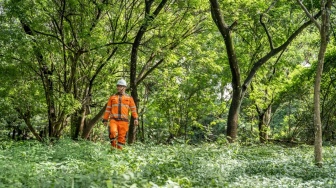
(121, 88)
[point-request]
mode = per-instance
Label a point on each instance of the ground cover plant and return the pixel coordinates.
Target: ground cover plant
(68, 163)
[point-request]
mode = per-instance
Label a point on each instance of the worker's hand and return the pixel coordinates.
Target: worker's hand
(136, 122)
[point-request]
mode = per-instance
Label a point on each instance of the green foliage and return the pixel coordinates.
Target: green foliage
(185, 101)
(293, 118)
(69, 103)
(183, 96)
(85, 164)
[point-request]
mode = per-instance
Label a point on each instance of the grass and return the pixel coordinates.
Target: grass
(86, 164)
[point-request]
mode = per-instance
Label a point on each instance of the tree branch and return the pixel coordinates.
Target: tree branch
(270, 54)
(264, 25)
(309, 15)
(267, 32)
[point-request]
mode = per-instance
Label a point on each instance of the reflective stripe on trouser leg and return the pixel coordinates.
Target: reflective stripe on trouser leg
(120, 145)
(114, 142)
(113, 133)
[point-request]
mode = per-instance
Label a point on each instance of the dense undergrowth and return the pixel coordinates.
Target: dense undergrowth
(86, 164)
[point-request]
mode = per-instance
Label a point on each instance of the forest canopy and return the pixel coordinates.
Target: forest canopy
(198, 71)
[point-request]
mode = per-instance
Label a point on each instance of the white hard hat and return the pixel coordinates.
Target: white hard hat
(121, 82)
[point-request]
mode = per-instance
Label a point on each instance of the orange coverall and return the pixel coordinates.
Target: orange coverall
(117, 110)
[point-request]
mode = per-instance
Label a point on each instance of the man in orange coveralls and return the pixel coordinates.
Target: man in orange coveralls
(117, 111)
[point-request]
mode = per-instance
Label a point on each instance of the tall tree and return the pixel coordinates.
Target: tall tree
(149, 17)
(69, 49)
(323, 27)
(240, 87)
(166, 24)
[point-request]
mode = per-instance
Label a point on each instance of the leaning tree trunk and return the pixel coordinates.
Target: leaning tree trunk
(89, 125)
(26, 116)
